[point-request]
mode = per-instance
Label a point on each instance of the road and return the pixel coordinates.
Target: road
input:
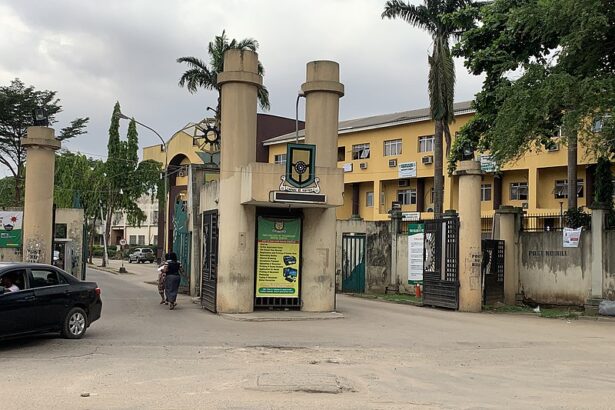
(140, 355)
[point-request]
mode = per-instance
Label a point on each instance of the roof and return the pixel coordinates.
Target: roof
(379, 121)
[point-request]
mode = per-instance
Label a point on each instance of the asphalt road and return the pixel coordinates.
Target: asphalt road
(140, 355)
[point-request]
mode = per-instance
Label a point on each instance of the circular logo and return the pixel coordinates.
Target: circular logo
(122, 242)
(300, 167)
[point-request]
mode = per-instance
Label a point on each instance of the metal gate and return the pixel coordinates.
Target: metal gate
(441, 263)
(353, 262)
(492, 269)
(209, 270)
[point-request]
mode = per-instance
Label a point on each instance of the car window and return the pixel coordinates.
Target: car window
(147, 250)
(16, 277)
(46, 277)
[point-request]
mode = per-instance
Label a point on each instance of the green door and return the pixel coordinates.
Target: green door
(353, 262)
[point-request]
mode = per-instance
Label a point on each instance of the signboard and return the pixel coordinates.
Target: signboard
(123, 242)
(347, 167)
(572, 237)
(487, 164)
(416, 235)
(407, 169)
(277, 257)
(410, 216)
(10, 229)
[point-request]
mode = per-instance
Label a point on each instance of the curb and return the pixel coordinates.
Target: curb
(108, 270)
(242, 317)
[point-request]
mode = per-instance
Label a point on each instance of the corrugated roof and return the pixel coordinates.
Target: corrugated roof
(378, 121)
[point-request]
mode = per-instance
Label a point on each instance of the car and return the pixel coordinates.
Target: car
(142, 255)
(38, 298)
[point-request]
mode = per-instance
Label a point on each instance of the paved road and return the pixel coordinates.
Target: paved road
(141, 355)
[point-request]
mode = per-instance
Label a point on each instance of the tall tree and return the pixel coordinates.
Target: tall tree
(202, 75)
(17, 104)
(433, 16)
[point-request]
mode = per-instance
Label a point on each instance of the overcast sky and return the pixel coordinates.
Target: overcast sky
(95, 53)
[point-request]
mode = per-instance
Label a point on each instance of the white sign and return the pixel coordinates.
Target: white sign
(123, 242)
(410, 216)
(487, 164)
(416, 237)
(572, 237)
(407, 170)
(348, 167)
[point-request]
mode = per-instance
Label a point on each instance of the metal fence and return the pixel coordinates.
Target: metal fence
(543, 222)
(486, 224)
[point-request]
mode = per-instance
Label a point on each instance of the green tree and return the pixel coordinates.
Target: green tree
(603, 194)
(435, 17)
(17, 103)
(202, 75)
(7, 192)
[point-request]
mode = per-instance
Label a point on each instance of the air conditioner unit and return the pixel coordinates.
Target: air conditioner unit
(524, 205)
(428, 159)
(403, 182)
(392, 163)
(363, 165)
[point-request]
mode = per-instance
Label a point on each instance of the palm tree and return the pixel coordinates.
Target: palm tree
(430, 17)
(200, 75)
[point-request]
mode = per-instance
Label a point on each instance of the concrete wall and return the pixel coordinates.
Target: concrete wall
(74, 220)
(608, 285)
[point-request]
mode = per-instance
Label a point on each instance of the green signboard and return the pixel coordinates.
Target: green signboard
(416, 237)
(277, 257)
(10, 229)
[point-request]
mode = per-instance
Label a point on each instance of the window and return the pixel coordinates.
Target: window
(561, 188)
(155, 240)
(518, 191)
(360, 151)
(154, 217)
(60, 231)
(44, 277)
(279, 159)
(17, 277)
(392, 147)
(599, 123)
(432, 195)
(369, 199)
(406, 196)
(341, 153)
(118, 218)
(426, 143)
(141, 240)
(383, 197)
(132, 240)
(485, 192)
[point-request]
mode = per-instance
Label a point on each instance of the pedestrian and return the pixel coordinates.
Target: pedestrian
(162, 274)
(172, 280)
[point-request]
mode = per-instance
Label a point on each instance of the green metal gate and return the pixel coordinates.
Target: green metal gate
(353, 262)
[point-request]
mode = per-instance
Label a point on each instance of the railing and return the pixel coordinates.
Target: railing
(486, 224)
(543, 222)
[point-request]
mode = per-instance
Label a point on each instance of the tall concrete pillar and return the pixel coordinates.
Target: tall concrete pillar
(470, 255)
(40, 145)
(239, 84)
(322, 91)
(509, 218)
(597, 232)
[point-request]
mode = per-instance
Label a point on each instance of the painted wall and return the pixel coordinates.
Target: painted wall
(608, 285)
(74, 220)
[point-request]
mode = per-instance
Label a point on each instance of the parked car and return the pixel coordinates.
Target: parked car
(37, 298)
(142, 255)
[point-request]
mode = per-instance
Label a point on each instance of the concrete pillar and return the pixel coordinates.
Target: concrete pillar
(509, 219)
(532, 182)
(497, 191)
(322, 91)
(393, 286)
(420, 195)
(40, 145)
(356, 190)
(597, 255)
(239, 84)
(470, 255)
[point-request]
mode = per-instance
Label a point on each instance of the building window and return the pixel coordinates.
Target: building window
(279, 159)
(132, 240)
(432, 195)
(61, 231)
(141, 240)
(406, 196)
(426, 143)
(155, 240)
(369, 199)
(561, 188)
(485, 192)
(154, 217)
(341, 153)
(118, 218)
(392, 147)
(383, 197)
(360, 151)
(518, 191)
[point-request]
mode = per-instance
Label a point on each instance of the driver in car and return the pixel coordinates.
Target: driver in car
(7, 282)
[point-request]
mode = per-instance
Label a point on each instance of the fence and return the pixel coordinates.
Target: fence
(486, 224)
(543, 222)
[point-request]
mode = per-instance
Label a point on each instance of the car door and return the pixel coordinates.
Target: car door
(52, 293)
(17, 309)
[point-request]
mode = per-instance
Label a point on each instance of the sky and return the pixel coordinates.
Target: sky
(94, 53)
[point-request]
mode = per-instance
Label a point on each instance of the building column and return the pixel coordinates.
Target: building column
(509, 219)
(497, 191)
(532, 188)
(356, 190)
(40, 144)
(470, 255)
(420, 195)
(322, 91)
(377, 190)
(597, 233)
(239, 85)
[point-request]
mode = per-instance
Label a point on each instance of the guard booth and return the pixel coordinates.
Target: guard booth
(69, 242)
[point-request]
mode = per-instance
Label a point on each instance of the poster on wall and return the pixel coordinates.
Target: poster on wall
(277, 257)
(10, 229)
(572, 237)
(416, 235)
(407, 170)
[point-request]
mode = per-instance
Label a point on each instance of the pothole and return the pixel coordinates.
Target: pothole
(307, 383)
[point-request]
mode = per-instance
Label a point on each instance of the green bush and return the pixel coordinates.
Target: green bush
(576, 218)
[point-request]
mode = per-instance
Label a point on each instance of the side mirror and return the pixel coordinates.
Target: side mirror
(2, 290)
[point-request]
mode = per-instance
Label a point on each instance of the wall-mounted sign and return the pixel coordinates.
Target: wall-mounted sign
(407, 169)
(410, 216)
(300, 169)
(348, 167)
(416, 238)
(487, 164)
(572, 237)
(10, 229)
(277, 257)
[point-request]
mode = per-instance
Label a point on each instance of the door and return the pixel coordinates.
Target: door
(209, 270)
(492, 269)
(52, 296)
(17, 309)
(353, 262)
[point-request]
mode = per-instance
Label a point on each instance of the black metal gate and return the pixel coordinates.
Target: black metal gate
(209, 273)
(353, 262)
(441, 263)
(492, 269)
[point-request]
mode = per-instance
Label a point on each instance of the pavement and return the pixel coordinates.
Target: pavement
(141, 355)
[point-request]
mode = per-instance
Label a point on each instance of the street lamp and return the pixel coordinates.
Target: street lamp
(166, 162)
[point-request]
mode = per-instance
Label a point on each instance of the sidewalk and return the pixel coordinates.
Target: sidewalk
(138, 269)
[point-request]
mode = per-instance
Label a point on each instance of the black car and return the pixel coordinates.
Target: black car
(37, 298)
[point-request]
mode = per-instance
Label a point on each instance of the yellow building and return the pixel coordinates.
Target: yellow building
(389, 158)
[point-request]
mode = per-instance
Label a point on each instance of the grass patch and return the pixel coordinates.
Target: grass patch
(501, 308)
(549, 313)
(560, 313)
(396, 298)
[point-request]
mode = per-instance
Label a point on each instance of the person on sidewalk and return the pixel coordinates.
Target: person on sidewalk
(172, 280)
(162, 274)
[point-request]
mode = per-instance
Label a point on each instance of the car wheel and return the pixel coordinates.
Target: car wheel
(75, 324)
(129, 260)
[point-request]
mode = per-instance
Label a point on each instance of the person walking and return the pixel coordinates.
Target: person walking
(172, 280)
(162, 274)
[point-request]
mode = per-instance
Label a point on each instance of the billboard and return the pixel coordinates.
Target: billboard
(11, 229)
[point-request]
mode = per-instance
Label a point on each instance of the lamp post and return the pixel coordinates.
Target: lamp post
(166, 163)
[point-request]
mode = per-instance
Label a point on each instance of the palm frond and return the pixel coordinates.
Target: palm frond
(419, 16)
(263, 98)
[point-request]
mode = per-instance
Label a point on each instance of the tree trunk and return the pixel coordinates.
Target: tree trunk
(572, 172)
(438, 177)
(107, 232)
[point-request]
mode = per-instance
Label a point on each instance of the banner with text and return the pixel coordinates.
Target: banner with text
(277, 257)
(416, 236)
(10, 229)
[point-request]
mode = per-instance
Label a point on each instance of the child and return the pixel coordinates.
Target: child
(162, 275)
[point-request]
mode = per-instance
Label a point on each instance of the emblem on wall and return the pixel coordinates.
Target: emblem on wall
(300, 169)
